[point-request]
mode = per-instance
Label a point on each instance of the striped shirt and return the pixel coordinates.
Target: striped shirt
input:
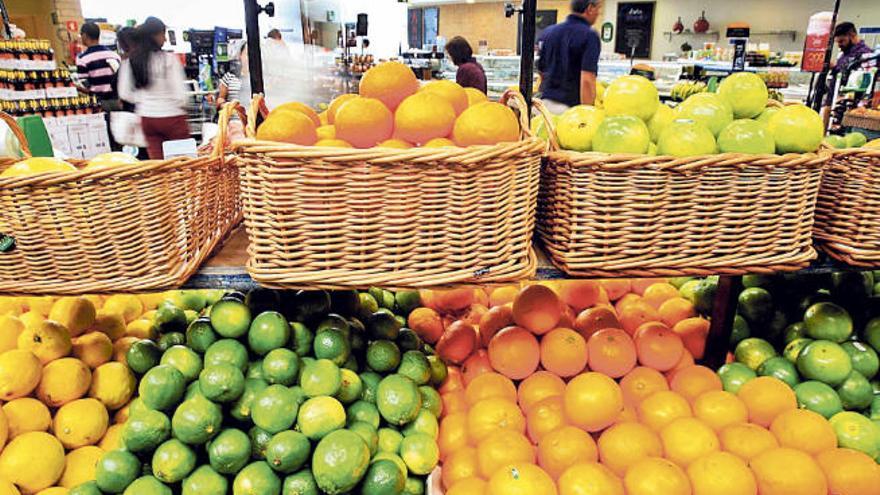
(233, 85)
(98, 64)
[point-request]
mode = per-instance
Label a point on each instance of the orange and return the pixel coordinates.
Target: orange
(454, 382)
(461, 464)
(500, 448)
(591, 320)
(299, 107)
(676, 309)
(635, 314)
(439, 143)
(849, 472)
(718, 409)
(395, 143)
(687, 360)
(422, 117)
(503, 295)
(687, 439)
(288, 126)
(389, 82)
(693, 333)
(475, 96)
(629, 413)
(693, 381)
(453, 299)
(783, 471)
(364, 122)
(333, 143)
(336, 104)
(475, 365)
(536, 308)
(625, 443)
(640, 285)
(658, 347)
(538, 386)
(603, 296)
(640, 383)
(656, 476)
(661, 408)
(481, 297)
(804, 430)
(766, 397)
(567, 316)
(426, 323)
(493, 321)
(490, 385)
(564, 447)
(544, 417)
(658, 293)
(579, 294)
(616, 287)
(611, 351)
(521, 478)
(593, 401)
(626, 300)
(468, 486)
(454, 402)
(493, 414)
(486, 123)
(589, 478)
(514, 352)
(564, 352)
(453, 434)
(450, 91)
(720, 473)
(746, 440)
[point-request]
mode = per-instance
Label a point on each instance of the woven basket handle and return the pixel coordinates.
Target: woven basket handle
(519, 103)
(258, 107)
(19, 134)
(225, 116)
(548, 123)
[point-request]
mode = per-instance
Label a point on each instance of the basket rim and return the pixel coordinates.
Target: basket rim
(620, 161)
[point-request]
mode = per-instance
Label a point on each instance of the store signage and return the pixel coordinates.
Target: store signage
(72, 26)
(816, 42)
(607, 32)
(635, 29)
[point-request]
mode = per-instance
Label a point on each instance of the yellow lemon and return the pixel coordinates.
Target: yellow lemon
(48, 342)
(120, 348)
(113, 438)
(10, 306)
(33, 461)
(326, 132)
(10, 328)
(113, 384)
(26, 415)
(142, 329)
(122, 414)
(76, 313)
(32, 319)
(80, 466)
(64, 380)
(80, 423)
(19, 373)
(40, 304)
(4, 428)
(127, 305)
(37, 165)
(53, 490)
(151, 300)
(7, 488)
(93, 348)
(111, 159)
(96, 300)
(111, 324)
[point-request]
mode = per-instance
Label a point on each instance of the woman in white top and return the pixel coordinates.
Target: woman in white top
(154, 81)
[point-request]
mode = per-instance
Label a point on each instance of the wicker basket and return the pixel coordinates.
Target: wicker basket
(602, 215)
(848, 210)
(133, 228)
(338, 217)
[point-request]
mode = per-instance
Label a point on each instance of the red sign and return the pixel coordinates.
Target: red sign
(814, 52)
(72, 26)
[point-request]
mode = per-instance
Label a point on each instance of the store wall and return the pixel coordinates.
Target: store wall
(35, 17)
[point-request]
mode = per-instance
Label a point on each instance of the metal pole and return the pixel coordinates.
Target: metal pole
(255, 54)
(721, 326)
(7, 31)
(527, 51)
(822, 80)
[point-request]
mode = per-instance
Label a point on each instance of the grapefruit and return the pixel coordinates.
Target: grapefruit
(746, 94)
(622, 134)
(683, 138)
(631, 95)
(707, 109)
(576, 127)
(746, 136)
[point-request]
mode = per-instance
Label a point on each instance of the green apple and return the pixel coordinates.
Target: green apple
(745, 92)
(632, 95)
(622, 134)
(797, 129)
(577, 125)
(855, 140)
(765, 115)
(707, 109)
(746, 136)
(662, 117)
(686, 138)
(835, 141)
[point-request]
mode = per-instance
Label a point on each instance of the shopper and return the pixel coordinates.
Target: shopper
(98, 66)
(851, 47)
(569, 58)
(154, 81)
(470, 73)
(236, 84)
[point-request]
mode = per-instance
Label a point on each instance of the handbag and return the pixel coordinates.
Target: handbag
(126, 129)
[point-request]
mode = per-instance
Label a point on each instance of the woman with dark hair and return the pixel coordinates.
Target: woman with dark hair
(154, 81)
(470, 73)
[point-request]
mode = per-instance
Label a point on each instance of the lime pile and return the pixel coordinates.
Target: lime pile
(302, 392)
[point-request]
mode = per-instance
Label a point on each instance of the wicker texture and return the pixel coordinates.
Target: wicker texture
(602, 215)
(848, 209)
(337, 217)
(133, 228)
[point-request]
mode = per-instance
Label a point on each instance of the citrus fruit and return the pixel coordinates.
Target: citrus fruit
(658, 347)
(753, 352)
(93, 348)
(687, 439)
(364, 411)
(746, 440)
(281, 366)
(475, 96)
(796, 129)
(849, 471)
(196, 420)
(692, 381)
(339, 461)
(824, 361)
(424, 116)
(658, 122)
(162, 387)
(793, 349)
(415, 366)
(461, 464)
(683, 138)
(514, 352)
(856, 432)
(564, 352)
(545, 416)
(319, 416)
(745, 92)
(75, 313)
(765, 398)
(230, 317)
(383, 356)
(204, 480)
(116, 470)
(592, 401)
(145, 484)
(48, 341)
(804, 430)
(706, 109)
(589, 478)
(721, 473)
(364, 122)
(611, 351)
(450, 91)
(855, 392)
(818, 397)
(780, 368)
(576, 127)
(485, 123)
(173, 461)
(37, 165)
(468, 486)
(521, 478)
(661, 408)
(622, 134)
(631, 95)
(746, 136)
(864, 358)
(383, 477)
(389, 82)
(25, 415)
(718, 408)
(491, 414)
(275, 408)
(288, 126)
(144, 431)
(256, 477)
(734, 375)
(229, 451)
(500, 448)
(452, 437)
(81, 422)
(490, 385)
(33, 461)
(320, 377)
(564, 447)
(538, 386)
(63, 380)
(80, 466)
(640, 383)
(287, 451)
(268, 330)
(653, 475)
(634, 314)
(398, 399)
(828, 321)
(782, 470)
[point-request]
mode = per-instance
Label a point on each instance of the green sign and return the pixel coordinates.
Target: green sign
(607, 32)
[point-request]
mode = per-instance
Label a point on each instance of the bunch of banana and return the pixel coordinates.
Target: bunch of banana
(684, 89)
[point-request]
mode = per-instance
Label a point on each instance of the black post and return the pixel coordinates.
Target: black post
(822, 79)
(4, 13)
(255, 54)
(721, 326)
(527, 51)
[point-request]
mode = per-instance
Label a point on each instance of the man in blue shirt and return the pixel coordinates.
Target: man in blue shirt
(569, 58)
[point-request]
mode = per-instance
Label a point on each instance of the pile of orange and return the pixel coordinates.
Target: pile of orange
(581, 387)
(392, 110)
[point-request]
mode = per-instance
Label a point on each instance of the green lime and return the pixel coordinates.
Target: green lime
(334, 322)
(319, 416)
(383, 356)
(200, 335)
(793, 349)
(297, 392)
(340, 461)
(261, 300)
(864, 358)
(425, 423)
(301, 343)
(825, 361)
(752, 280)
(368, 303)
(415, 366)
(414, 486)
(431, 400)
(116, 470)
(288, 451)
(274, 408)
(388, 456)
(91, 488)
(753, 351)
(677, 282)
(169, 340)
(351, 364)
(398, 399)
(687, 289)
(255, 370)
(204, 481)
(740, 330)
(221, 382)
(407, 300)
(332, 345)
(162, 387)
(368, 433)
(420, 453)
(229, 451)
(383, 477)
(364, 411)
(136, 406)
(704, 295)
(185, 360)
(257, 478)
(438, 370)
(855, 431)
(191, 316)
(259, 441)
(309, 303)
(169, 318)
(855, 392)
(351, 389)
(321, 377)
(144, 431)
(794, 331)
(196, 421)
(143, 355)
(230, 318)
(828, 321)
(872, 333)
(756, 305)
(780, 368)
(173, 461)
(213, 295)
(147, 485)
(301, 483)
(818, 397)
(241, 408)
(303, 362)
(268, 331)
(371, 381)
(378, 294)
(227, 351)
(193, 300)
(409, 340)
(381, 325)
(389, 440)
(192, 390)
(280, 366)
(734, 375)
(875, 408)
